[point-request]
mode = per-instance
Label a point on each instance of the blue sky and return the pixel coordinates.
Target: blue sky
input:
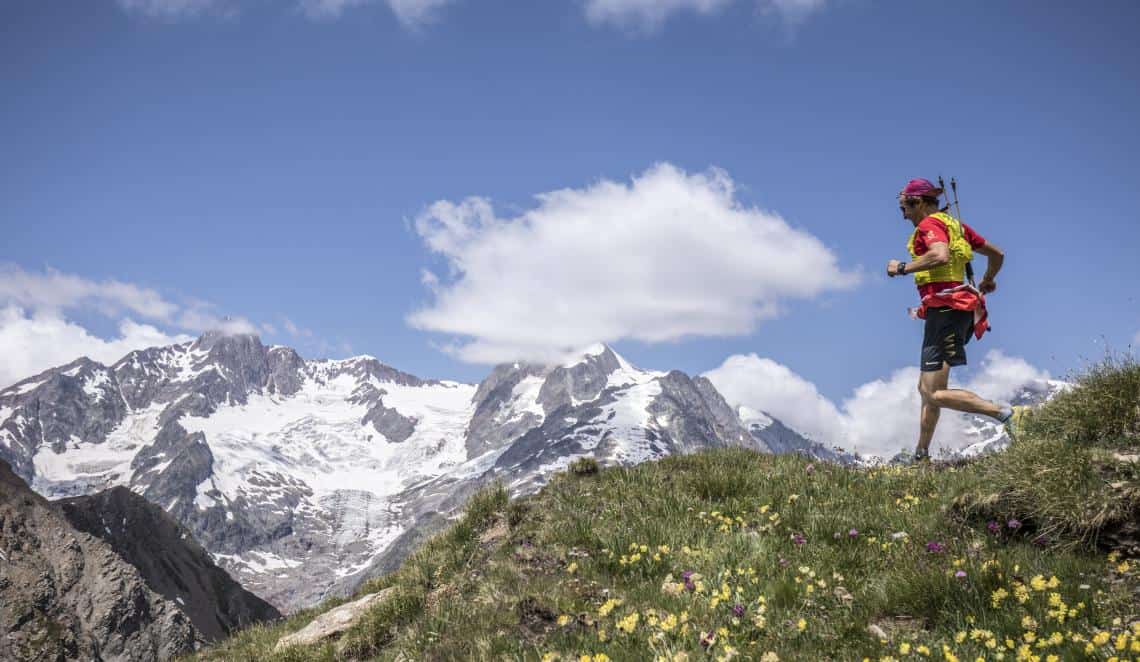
(256, 160)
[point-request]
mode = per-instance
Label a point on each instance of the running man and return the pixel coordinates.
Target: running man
(940, 248)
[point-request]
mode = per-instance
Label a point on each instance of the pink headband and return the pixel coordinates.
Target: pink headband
(921, 188)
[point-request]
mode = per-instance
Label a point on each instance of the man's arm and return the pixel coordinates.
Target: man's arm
(937, 255)
(994, 259)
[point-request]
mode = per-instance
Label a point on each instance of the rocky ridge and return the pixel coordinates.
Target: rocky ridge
(302, 477)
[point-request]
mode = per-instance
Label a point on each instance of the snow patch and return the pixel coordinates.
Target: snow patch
(97, 466)
(21, 389)
(753, 417)
(524, 399)
(93, 385)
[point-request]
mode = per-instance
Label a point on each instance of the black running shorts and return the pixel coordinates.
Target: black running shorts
(945, 337)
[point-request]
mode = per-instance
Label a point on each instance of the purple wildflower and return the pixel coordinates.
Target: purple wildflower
(708, 638)
(686, 575)
(994, 527)
(798, 539)
(853, 533)
(961, 574)
(738, 610)
(935, 547)
(1013, 523)
(689, 585)
(784, 563)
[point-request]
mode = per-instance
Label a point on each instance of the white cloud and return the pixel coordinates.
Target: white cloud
(36, 334)
(411, 13)
(763, 384)
(53, 290)
(650, 15)
(641, 15)
(175, 9)
(880, 417)
(33, 342)
(647, 15)
(666, 256)
(295, 330)
(200, 318)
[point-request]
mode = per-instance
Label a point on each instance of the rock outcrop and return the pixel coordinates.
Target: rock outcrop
(66, 595)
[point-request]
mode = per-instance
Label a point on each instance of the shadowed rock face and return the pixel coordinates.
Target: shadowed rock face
(65, 595)
(171, 562)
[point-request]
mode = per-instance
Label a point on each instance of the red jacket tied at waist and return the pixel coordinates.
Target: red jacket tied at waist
(962, 297)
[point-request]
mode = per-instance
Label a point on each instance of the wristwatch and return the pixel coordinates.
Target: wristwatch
(901, 269)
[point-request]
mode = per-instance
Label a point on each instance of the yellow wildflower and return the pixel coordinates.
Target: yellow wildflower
(563, 620)
(609, 605)
(572, 567)
(628, 623)
(801, 625)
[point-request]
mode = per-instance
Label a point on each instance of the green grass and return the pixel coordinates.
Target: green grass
(808, 555)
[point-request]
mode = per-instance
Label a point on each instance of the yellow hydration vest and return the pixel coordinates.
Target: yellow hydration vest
(960, 254)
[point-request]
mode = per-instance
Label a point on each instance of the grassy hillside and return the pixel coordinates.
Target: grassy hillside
(739, 554)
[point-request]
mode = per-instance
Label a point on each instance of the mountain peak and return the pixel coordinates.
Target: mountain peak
(214, 337)
(596, 352)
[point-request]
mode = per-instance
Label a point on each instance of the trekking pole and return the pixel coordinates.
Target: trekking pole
(957, 209)
(958, 215)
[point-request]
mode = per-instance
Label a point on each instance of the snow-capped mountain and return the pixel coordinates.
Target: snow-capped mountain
(986, 435)
(299, 475)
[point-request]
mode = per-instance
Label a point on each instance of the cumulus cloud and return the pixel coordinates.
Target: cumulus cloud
(649, 15)
(880, 417)
(33, 342)
(666, 256)
(54, 290)
(36, 332)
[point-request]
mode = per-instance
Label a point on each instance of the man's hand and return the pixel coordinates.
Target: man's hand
(987, 285)
(892, 268)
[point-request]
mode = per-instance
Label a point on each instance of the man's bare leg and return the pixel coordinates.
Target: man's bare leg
(932, 386)
(930, 382)
(935, 396)
(927, 423)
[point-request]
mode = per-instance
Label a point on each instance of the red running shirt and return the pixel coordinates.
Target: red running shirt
(932, 231)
